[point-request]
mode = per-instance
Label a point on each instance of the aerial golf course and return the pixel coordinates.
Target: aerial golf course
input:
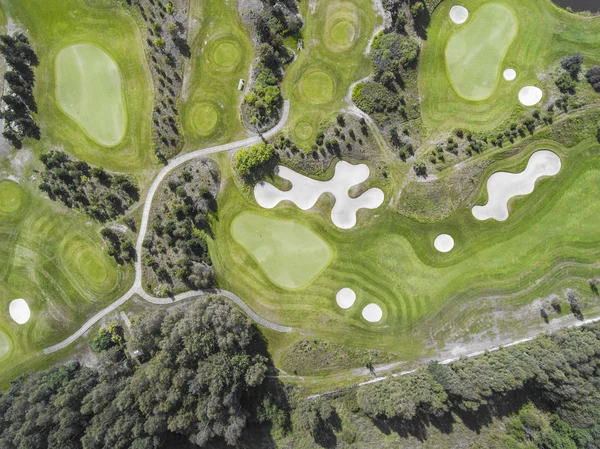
(331, 254)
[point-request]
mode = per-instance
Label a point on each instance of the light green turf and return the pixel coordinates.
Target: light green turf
(221, 55)
(10, 196)
(545, 35)
(289, 253)
(474, 55)
(88, 88)
(56, 25)
(5, 345)
(335, 37)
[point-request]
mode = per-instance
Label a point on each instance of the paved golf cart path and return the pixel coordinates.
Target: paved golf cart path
(137, 288)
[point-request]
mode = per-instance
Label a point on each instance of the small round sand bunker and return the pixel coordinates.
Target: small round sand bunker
(444, 243)
(459, 14)
(509, 74)
(530, 95)
(372, 313)
(345, 298)
(19, 311)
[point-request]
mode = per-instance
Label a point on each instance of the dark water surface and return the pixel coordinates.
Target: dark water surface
(580, 5)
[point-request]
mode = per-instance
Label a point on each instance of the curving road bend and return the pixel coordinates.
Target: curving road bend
(137, 288)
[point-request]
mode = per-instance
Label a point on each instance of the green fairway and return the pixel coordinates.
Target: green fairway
(221, 55)
(88, 88)
(335, 37)
(544, 35)
(5, 345)
(10, 197)
(474, 55)
(289, 253)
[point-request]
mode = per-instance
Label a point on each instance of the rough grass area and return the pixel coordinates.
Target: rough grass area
(88, 88)
(545, 35)
(221, 55)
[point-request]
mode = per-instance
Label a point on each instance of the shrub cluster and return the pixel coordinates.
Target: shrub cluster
(78, 185)
(120, 246)
(19, 103)
(252, 163)
(373, 97)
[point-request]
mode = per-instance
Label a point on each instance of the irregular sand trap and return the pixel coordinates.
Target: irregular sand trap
(19, 311)
(459, 14)
(530, 95)
(503, 186)
(372, 313)
(443, 243)
(306, 191)
(345, 298)
(509, 74)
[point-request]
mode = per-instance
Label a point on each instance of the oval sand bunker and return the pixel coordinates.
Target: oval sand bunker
(509, 74)
(345, 298)
(530, 95)
(503, 186)
(372, 313)
(19, 311)
(306, 191)
(459, 14)
(444, 243)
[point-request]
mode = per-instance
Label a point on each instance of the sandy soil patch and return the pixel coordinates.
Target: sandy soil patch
(372, 313)
(19, 311)
(444, 243)
(459, 14)
(345, 298)
(503, 186)
(530, 95)
(306, 191)
(509, 74)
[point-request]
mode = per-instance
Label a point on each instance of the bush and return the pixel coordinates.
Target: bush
(565, 83)
(572, 64)
(593, 77)
(249, 160)
(373, 97)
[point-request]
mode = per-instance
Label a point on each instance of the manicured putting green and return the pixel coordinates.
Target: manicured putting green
(475, 53)
(91, 266)
(342, 33)
(205, 119)
(226, 53)
(5, 345)
(303, 130)
(289, 253)
(10, 196)
(317, 86)
(88, 88)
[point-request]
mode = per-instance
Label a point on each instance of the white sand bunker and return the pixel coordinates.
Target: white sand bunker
(345, 298)
(372, 313)
(509, 74)
(503, 186)
(443, 243)
(459, 14)
(306, 191)
(19, 311)
(530, 95)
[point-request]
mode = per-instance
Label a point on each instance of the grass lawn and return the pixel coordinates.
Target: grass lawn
(335, 36)
(10, 197)
(474, 55)
(221, 55)
(289, 253)
(431, 299)
(88, 88)
(545, 35)
(56, 25)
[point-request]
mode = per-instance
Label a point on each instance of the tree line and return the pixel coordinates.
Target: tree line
(18, 103)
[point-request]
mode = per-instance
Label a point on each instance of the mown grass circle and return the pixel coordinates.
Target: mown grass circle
(342, 33)
(5, 345)
(226, 54)
(87, 262)
(205, 118)
(10, 196)
(91, 266)
(303, 130)
(317, 87)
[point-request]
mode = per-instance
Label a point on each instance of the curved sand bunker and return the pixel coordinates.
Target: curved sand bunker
(444, 243)
(509, 74)
(459, 14)
(372, 313)
(503, 186)
(19, 311)
(530, 95)
(306, 191)
(345, 298)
